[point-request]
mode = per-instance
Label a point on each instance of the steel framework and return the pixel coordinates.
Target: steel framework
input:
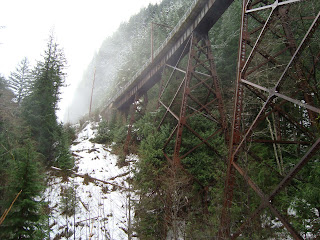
(180, 99)
(199, 78)
(190, 98)
(275, 133)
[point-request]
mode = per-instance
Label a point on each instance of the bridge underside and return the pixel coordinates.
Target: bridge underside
(203, 16)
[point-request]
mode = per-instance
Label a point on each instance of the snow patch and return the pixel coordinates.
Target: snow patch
(94, 201)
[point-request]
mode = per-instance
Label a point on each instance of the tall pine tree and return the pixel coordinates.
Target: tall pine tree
(19, 80)
(40, 106)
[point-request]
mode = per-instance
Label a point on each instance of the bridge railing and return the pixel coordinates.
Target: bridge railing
(156, 53)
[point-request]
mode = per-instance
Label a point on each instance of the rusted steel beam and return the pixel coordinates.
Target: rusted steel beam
(204, 107)
(257, 43)
(132, 113)
(312, 151)
(202, 142)
(297, 94)
(273, 93)
(199, 111)
(279, 141)
(252, 184)
(199, 47)
(183, 108)
(266, 200)
(224, 230)
(170, 137)
(168, 110)
(273, 6)
(299, 50)
(285, 222)
(276, 108)
(298, 65)
(183, 53)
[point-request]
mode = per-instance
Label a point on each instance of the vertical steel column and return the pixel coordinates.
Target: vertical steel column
(200, 57)
(224, 230)
(182, 116)
(196, 95)
(133, 109)
(275, 56)
(132, 112)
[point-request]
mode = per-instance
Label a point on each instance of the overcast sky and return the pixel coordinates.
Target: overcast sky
(80, 27)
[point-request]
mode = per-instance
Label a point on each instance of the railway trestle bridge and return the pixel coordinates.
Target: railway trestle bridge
(276, 106)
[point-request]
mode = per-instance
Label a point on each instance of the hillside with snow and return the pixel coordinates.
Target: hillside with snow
(93, 201)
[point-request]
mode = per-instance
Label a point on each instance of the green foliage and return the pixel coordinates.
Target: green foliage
(303, 199)
(25, 220)
(40, 106)
(224, 38)
(150, 218)
(8, 134)
(103, 134)
(30, 134)
(70, 132)
(20, 80)
(68, 203)
(3, 82)
(202, 163)
(63, 158)
(119, 134)
(149, 179)
(152, 161)
(114, 132)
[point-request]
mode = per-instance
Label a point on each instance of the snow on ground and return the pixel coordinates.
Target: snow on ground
(101, 207)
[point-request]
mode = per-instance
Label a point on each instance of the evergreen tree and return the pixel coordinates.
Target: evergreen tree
(63, 158)
(19, 80)
(150, 180)
(24, 220)
(3, 156)
(19, 170)
(6, 105)
(7, 132)
(40, 106)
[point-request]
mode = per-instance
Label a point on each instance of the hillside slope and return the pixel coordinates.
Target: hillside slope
(92, 201)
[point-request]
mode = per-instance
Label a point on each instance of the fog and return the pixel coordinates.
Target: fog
(80, 28)
(120, 56)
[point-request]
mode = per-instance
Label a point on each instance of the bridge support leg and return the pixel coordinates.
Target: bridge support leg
(137, 107)
(275, 103)
(191, 97)
(132, 112)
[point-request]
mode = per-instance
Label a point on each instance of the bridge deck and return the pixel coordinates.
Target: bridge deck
(200, 17)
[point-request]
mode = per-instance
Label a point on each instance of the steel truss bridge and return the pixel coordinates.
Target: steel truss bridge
(276, 104)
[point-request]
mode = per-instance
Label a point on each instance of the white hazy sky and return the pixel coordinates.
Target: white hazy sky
(80, 26)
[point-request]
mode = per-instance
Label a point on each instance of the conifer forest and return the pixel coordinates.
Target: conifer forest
(221, 140)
